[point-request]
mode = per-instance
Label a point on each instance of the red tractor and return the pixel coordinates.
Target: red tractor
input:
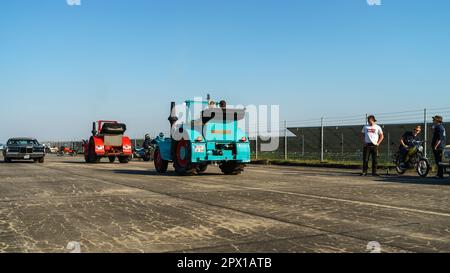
(107, 140)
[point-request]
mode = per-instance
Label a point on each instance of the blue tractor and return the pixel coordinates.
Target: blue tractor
(208, 133)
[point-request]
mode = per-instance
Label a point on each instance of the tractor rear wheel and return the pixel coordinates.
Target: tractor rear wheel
(112, 159)
(181, 158)
(124, 159)
(231, 168)
(160, 164)
(91, 155)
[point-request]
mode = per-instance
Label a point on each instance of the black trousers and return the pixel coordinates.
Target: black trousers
(370, 151)
(437, 160)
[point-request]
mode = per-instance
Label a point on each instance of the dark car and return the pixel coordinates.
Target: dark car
(24, 149)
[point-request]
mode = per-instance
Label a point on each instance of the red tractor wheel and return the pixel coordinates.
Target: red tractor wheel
(91, 155)
(181, 161)
(160, 164)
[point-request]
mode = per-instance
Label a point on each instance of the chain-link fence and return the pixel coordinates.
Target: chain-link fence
(334, 139)
(337, 139)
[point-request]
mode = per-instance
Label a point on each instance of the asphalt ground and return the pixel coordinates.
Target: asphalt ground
(130, 208)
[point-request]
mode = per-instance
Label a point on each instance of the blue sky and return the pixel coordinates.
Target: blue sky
(62, 66)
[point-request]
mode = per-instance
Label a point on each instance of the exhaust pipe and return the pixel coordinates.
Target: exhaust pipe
(94, 131)
(173, 116)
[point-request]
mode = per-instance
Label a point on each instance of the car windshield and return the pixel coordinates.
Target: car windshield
(23, 142)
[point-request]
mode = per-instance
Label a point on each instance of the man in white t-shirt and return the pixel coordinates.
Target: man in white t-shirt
(372, 136)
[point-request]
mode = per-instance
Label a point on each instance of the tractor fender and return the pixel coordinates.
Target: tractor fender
(126, 145)
(99, 145)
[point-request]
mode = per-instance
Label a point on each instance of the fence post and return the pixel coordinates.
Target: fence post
(321, 139)
(342, 143)
(425, 131)
(303, 145)
(256, 141)
(285, 141)
(389, 146)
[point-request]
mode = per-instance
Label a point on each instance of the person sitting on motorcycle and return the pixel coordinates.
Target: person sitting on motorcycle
(407, 142)
(147, 142)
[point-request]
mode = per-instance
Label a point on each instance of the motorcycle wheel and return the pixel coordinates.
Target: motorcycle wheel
(399, 169)
(423, 167)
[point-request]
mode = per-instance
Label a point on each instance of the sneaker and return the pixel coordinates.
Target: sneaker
(438, 177)
(363, 174)
(375, 175)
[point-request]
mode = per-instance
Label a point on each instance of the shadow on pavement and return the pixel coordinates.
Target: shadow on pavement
(154, 173)
(19, 162)
(414, 180)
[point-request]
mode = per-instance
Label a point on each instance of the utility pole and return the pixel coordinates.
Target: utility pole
(321, 139)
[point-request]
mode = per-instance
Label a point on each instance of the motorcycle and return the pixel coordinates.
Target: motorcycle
(145, 154)
(413, 159)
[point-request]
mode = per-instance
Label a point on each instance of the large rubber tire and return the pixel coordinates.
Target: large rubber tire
(41, 160)
(7, 160)
(202, 168)
(181, 158)
(124, 159)
(423, 167)
(231, 168)
(112, 159)
(91, 156)
(113, 128)
(161, 165)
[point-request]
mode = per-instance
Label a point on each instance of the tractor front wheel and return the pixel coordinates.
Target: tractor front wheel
(160, 164)
(181, 159)
(124, 159)
(202, 168)
(112, 159)
(231, 168)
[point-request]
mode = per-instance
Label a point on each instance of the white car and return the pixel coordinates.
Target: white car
(446, 159)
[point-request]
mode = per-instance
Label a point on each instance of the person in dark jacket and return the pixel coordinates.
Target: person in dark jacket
(407, 141)
(147, 142)
(438, 144)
